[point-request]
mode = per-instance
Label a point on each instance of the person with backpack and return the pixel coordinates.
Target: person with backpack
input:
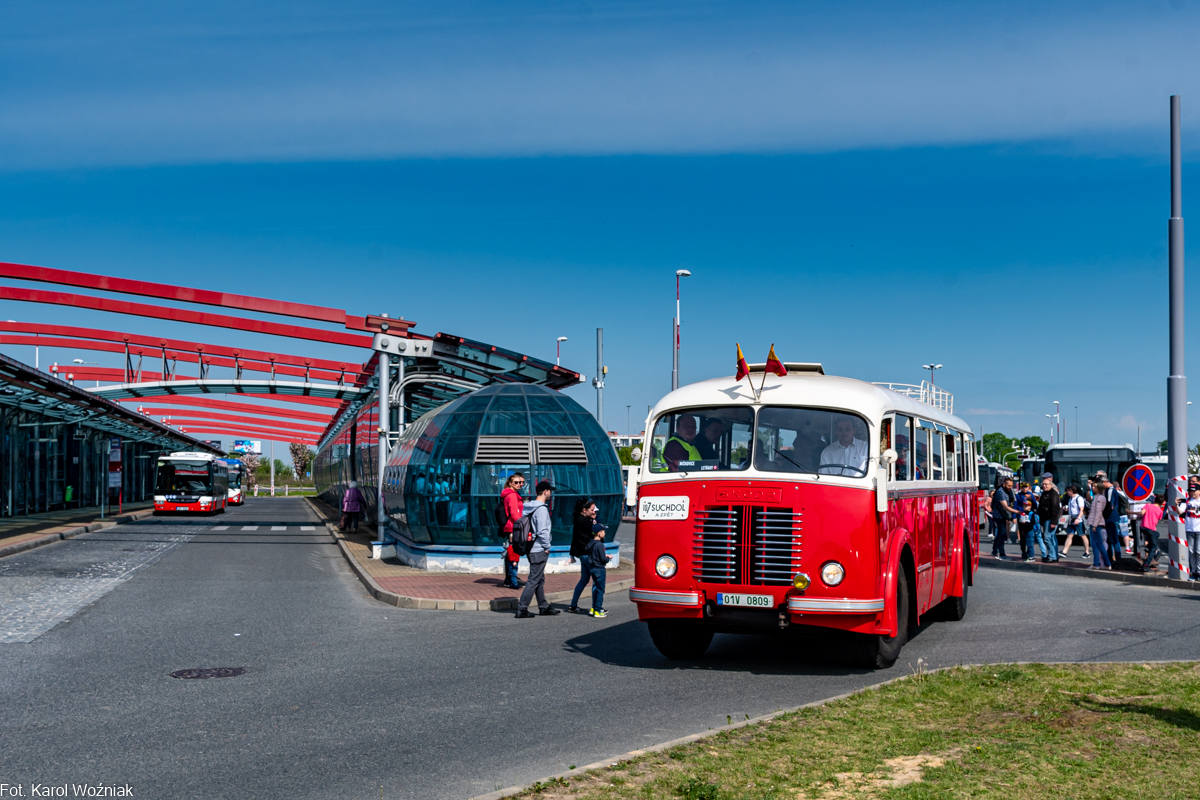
(508, 514)
(1115, 506)
(598, 561)
(585, 527)
(1075, 524)
(534, 533)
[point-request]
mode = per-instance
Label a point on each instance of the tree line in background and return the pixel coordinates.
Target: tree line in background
(1009, 450)
(258, 469)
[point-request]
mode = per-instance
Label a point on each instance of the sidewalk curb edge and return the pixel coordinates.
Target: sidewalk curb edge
(433, 604)
(70, 533)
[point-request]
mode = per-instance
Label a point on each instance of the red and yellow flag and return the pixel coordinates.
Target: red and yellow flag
(743, 369)
(774, 365)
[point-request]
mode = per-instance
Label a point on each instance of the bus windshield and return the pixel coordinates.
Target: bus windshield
(702, 439)
(811, 440)
(235, 476)
(184, 477)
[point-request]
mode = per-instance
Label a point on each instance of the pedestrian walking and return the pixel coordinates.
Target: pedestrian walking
(1152, 514)
(1003, 510)
(1191, 528)
(1112, 517)
(598, 561)
(538, 512)
(1049, 508)
(352, 503)
(1075, 523)
(583, 531)
(512, 508)
(1096, 526)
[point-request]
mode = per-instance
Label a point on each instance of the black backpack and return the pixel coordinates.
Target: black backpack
(522, 535)
(501, 514)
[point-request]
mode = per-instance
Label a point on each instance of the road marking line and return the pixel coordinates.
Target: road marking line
(249, 527)
(221, 528)
(279, 527)
(307, 528)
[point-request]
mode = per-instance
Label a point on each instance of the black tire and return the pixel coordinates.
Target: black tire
(679, 639)
(877, 651)
(955, 608)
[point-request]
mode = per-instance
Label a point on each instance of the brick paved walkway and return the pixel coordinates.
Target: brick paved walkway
(401, 579)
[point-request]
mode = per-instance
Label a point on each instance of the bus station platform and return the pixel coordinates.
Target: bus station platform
(390, 581)
(18, 534)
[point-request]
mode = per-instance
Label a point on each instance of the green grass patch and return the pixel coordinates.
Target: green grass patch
(1012, 732)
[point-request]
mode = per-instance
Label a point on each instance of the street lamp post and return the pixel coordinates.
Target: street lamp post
(558, 350)
(1176, 379)
(679, 273)
(1057, 425)
(931, 367)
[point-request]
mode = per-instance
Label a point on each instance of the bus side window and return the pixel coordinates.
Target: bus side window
(903, 447)
(951, 458)
(885, 441)
(936, 439)
(921, 448)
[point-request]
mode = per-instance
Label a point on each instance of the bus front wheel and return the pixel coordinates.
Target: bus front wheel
(877, 651)
(679, 639)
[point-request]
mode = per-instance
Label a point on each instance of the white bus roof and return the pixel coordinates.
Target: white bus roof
(808, 388)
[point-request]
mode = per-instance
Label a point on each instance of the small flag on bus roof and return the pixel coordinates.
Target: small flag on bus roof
(743, 369)
(774, 364)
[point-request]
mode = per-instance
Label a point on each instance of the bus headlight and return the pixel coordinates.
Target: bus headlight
(665, 567)
(832, 573)
(801, 581)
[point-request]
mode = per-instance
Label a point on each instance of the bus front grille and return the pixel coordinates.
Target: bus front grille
(747, 545)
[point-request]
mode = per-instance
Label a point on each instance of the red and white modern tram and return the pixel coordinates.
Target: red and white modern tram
(820, 501)
(191, 482)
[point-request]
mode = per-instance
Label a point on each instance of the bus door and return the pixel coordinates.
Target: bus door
(943, 514)
(926, 435)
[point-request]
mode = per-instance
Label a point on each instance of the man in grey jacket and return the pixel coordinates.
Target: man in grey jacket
(539, 554)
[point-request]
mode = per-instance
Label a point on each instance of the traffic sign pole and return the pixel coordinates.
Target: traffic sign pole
(1176, 380)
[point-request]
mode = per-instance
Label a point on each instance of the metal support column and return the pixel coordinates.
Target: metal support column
(1176, 380)
(384, 371)
(598, 381)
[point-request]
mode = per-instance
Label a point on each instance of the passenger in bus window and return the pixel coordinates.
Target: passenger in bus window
(709, 441)
(902, 460)
(681, 446)
(848, 454)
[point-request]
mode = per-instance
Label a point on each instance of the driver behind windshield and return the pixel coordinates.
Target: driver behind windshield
(681, 447)
(847, 455)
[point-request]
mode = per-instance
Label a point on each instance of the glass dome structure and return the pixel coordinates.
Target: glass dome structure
(444, 477)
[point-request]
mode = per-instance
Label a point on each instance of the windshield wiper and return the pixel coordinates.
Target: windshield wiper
(793, 463)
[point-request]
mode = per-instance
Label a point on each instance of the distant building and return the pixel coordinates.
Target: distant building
(626, 440)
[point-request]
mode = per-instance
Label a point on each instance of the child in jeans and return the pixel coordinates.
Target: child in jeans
(1028, 523)
(598, 558)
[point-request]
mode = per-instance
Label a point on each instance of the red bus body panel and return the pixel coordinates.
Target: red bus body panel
(928, 526)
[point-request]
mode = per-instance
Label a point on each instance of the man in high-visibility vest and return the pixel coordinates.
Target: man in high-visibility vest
(681, 447)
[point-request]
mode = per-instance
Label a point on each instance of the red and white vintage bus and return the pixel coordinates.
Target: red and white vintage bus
(826, 502)
(191, 482)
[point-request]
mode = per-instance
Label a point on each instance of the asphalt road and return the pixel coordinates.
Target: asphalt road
(343, 695)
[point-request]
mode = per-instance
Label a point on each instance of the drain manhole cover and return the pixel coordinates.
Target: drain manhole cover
(212, 672)
(1119, 631)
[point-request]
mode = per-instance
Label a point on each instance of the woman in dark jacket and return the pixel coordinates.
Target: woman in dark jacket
(584, 528)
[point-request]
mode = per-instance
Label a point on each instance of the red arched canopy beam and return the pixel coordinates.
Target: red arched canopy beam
(164, 291)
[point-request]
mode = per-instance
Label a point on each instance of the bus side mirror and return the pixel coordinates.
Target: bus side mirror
(889, 456)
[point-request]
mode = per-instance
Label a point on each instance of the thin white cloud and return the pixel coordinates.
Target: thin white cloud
(991, 412)
(492, 80)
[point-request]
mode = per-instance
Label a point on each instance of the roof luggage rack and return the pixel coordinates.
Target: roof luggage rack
(925, 393)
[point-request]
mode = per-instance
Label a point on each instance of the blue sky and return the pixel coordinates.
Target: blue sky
(863, 185)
